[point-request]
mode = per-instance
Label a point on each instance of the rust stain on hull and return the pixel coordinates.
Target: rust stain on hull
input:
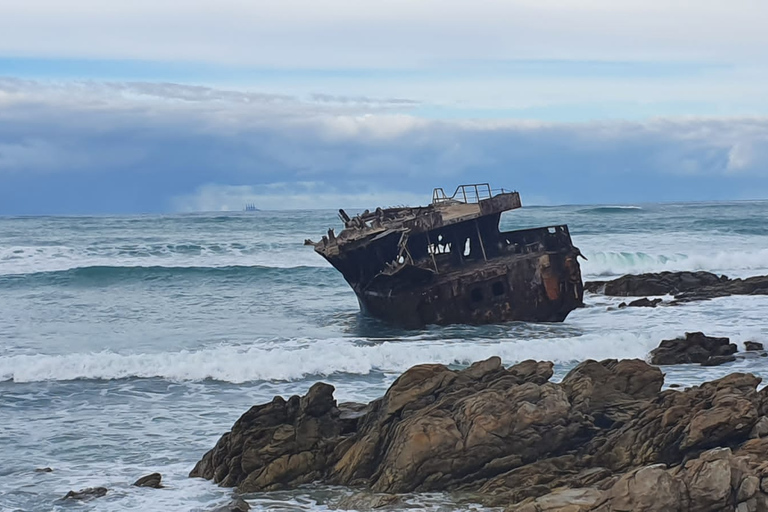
(449, 263)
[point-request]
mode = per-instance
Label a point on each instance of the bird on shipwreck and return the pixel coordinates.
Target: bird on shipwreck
(449, 263)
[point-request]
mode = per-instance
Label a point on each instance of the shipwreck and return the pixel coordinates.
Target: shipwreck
(449, 263)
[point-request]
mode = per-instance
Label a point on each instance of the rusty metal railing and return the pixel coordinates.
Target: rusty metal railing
(471, 193)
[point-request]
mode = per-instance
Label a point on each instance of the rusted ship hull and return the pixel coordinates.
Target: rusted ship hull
(449, 263)
(481, 295)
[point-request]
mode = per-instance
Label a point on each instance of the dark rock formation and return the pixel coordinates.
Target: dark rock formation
(604, 439)
(152, 480)
(645, 302)
(663, 283)
(43, 470)
(86, 494)
(685, 286)
(752, 346)
(236, 505)
(757, 285)
(694, 348)
(282, 443)
(718, 360)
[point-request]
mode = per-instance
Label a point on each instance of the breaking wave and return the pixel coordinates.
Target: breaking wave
(731, 263)
(292, 361)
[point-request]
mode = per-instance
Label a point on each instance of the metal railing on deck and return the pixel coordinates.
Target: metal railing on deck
(472, 193)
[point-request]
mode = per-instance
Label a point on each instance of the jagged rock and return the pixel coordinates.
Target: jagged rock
(760, 429)
(752, 346)
(663, 283)
(716, 481)
(434, 427)
(458, 426)
(685, 286)
(757, 285)
(560, 500)
(641, 303)
(276, 445)
(236, 505)
(604, 439)
(694, 348)
(680, 423)
(610, 390)
(647, 489)
(152, 480)
(88, 493)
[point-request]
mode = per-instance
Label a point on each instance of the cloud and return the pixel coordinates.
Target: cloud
(291, 196)
(124, 147)
(387, 33)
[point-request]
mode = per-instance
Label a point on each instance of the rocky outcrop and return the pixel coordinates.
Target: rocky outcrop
(685, 286)
(236, 505)
(662, 283)
(279, 444)
(152, 480)
(645, 302)
(757, 285)
(695, 347)
(86, 494)
(606, 438)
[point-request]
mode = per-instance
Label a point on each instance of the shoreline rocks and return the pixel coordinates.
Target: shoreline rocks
(684, 286)
(662, 283)
(695, 347)
(605, 438)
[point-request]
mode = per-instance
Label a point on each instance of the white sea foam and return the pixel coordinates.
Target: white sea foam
(737, 263)
(299, 359)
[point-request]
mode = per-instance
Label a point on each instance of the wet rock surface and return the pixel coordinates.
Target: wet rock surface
(645, 302)
(86, 494)
(604, 439)
(684, 286)
(153, 480)
(662, 283)
(236, 505)
(694, 347)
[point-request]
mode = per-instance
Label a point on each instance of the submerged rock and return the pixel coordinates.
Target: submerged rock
(86, 494)
(695, 347)
(641, 303)
(152, 480)
(236, 505)
(606, 438)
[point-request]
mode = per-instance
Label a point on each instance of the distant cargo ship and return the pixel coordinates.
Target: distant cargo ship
(250, 207)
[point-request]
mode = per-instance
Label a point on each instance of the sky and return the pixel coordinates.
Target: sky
(163, 106)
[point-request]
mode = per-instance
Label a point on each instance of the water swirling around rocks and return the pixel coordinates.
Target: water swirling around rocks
(131, 343)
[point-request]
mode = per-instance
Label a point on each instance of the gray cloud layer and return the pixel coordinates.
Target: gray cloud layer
(100, 147)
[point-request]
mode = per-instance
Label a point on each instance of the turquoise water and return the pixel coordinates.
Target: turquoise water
(130, 344)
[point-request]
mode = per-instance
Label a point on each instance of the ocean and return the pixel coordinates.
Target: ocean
(129, 344)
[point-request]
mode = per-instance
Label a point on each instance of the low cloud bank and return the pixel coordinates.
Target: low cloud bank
(121, 147)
